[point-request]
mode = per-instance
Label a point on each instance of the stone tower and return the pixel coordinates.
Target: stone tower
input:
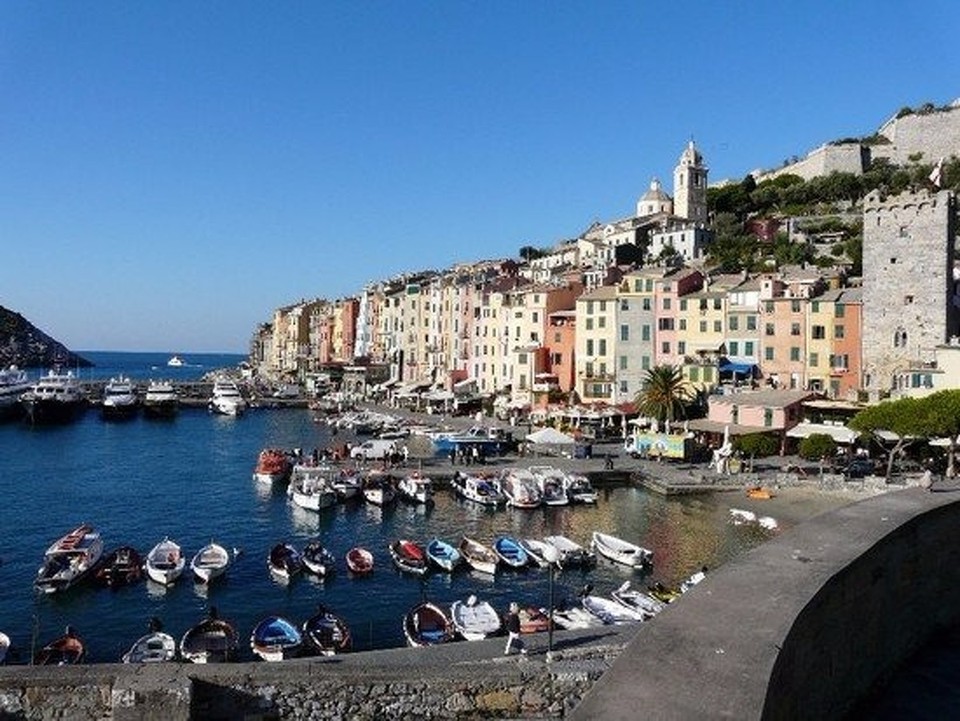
(690, 186)
(909, 288)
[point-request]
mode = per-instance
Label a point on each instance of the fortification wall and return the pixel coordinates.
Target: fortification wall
(847, 158)
(931, 135)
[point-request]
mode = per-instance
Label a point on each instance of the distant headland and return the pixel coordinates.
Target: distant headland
(24, 345)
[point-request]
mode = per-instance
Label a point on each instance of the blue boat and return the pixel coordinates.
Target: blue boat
(510, 552)
(488, 441)
(443, 555)
(275, 638)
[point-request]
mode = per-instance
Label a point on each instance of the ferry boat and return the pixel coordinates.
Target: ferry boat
(55, 398)
(13, 384)
(227, 399)
(161, 400)
(119, 399)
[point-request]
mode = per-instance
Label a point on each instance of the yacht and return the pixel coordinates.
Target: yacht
(13, 384)
(119, 399)
(161, 400)
(176, 362)
(55, 398)
(227, 399)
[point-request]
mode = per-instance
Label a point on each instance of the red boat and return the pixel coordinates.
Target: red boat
(533, 620)
(359, 560)
(273, 466)
(409, 556)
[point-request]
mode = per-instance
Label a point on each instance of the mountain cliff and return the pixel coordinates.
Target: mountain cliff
(23, 344)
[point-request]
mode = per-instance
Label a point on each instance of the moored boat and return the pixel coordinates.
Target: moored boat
(69, 559)
(310, 487)
(14, 382)
(510, 552)
(55, 398)
(378, 489)
(580, 490)
(121, 567)
(284, 561)
(327, 633)
(165, 562)
(317, 559)
(533, 620)
(273, 466)
(427, 625)
(575, 617)
(478, 556)
(693, 580)
(4, 647)
(67, 650)
(662, 593)
(474, 620)
(347, 484)
(210, 562)
(161, 400)
(621, 551)
(227, 399)
(415, 488)
(359, 561)
(610, 611)
(521, 489)
(153, 647)
(119, 400)
(552, 483)
(537, 551)
(409, 556)
(274, 638)
(176, 362)
(213, 640)
(636, 600)
(478, 489)
(443, 555)
(570, 552)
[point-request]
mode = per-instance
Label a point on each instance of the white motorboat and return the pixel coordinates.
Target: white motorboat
(637, 600)
(13, 384)
(310, 487)
(537, 551)
(477, 489)
(415, 488)
(610, 611)
(520, 487)
(693, 580)
(318, 560)
(176, 362)
(473, 619)
(575, 617)
(210, 562)
(347, 484)
(570, 552)
(378, 489)
(227, 399)
(69, 559)
(161, 400)
(119, 399)
(478, 556)
(55, 398)
(552, 483)
(621, 551)
(580, 490)
(165, 562)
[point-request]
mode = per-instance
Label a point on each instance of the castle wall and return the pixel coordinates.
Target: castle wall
(933, 135)
(824, 160)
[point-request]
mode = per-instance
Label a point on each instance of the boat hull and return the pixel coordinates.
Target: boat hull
(51, 412)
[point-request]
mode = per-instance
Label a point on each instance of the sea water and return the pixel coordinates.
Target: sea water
(140, 480)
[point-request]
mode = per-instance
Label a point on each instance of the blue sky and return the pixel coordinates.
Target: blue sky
(172, 172)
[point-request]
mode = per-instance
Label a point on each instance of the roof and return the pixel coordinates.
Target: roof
(604, 292)
(841, 434)
(764, 398)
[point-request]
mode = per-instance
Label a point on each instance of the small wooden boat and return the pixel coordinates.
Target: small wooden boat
(274, 638)
(637, 600)
(537, 551)
(165, 562)
(284, 561)
(327, 633)
(610, 611)
(153, 647)
(510, 552)
(213, 640)
(621, 551)
(478, 556)
(575, 617)
(474, 620)
(318, 560)
(121, 567)
(427, 625)
(533, 620)
(273, 466)
(4, 647)
(760, 493)
(409, 556)
(67, 650)
(359, 561)
(571, 553)
(210, 562)
(443, 555)
(415, 488)
(69, 559)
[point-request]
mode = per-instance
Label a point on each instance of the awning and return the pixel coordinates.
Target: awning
(415, 387)
(740, 369)
(841, 434)
(708, 426)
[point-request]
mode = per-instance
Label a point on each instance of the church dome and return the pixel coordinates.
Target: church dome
(655, 194)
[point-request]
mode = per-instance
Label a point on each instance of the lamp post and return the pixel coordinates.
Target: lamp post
(551, 555)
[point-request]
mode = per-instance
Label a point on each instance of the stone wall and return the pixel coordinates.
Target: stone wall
(847, 158)
(931, 135)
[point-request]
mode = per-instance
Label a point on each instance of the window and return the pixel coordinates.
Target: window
(602, 346)
(665, 324)
(666, 303)
(603, 306)
(623, 386)
(645, 333)
(733, 323)
(645, 304)
(794, 329)
(694, 374)
(665, 347)
(683, 304)
(768, 353)
(838, 310)
(703, 304)
(681, 347)
(768, 306)
(748, 347)
(522, 359)
(900, 338)
(838, 332)
(623, 362)
(602, 322)
(535, 316)
(589, 307)
(624, 332)
(815, 306)
(734, 347)
(557, 337)
(768, 329)
(589, 325)
(768, 417)
(590, 346)
(624, 304)
(588, 369)
(751, 322)
(718, 326)
(794, 353)
(734, 414)
(703, 326)
(683, 324)
(717, 304)
(818, 332)
(814, 360)
(645, 362)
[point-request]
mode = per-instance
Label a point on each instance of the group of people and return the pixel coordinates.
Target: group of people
(463, 456)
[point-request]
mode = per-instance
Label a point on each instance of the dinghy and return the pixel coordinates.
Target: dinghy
(318, 560)
(409, 556)
(210, 562)
(274, 638)
(427, 625)
(510, 552)
(359, 561)
(621, 551)
(478, 556)
(637, 600)
(68, 650)
(165, 562)
(284, 561)
(153, 647)
(326, 632)
(443, 555)
(473, 619)
(213, 640)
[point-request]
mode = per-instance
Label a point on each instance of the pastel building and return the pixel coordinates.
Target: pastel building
(595, 345)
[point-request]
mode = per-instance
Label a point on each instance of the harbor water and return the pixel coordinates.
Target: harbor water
(190, 478)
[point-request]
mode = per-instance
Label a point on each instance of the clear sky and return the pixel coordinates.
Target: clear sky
(172, 172)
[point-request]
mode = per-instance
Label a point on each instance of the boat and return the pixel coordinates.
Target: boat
(67, 650)
(474, 620)
(637, 600)
(570, 552)
(213, 640)
(153, 647)
(311, 488)
(119, 400)
(478, 489)
(359, 561)
(488, 441)
(378, 490)
(275, 638)
(580, 490)
(160, 400)
(317, 559)
(575, 617)
(415, 488)
(662, 593)
(768, 523)
(533, 620)
(521, 488)
(210, 562)
(347, 484)
(226, 398)
(621, 551)
(273, 466)
(427, 625)
(552, 483)
(55, 398)
(610, 611)
(443, 555)
(739, 516)
(510, 552)
(409, 556)
(165, 562)
(69, 559)
(284, 561)
(14, 382)
(4, 647)
(176, 362)
(759, 493)
(537, 551)
(327, 633)
(693, 580)
(478, 556)
(121, 567)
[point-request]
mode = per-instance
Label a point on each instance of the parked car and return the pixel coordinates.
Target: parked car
(859, 468)
(374, 449)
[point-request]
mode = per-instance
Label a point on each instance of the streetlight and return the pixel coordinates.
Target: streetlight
(551, 555)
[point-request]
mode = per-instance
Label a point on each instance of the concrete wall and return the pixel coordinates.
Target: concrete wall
(801, 627)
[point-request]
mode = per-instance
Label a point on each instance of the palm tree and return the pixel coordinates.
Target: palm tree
(664, 394)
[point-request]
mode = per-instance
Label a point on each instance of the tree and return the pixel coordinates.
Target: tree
(817, 446)
(756, 444)
(664, 394)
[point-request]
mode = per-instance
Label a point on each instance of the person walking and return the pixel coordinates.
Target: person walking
(513, 630)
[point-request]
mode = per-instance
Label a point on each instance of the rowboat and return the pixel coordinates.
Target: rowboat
(621, 551)
(4, 646)
(67, 650)
(537, 551)
(427, 625)
(69, 559)
(443, 555)
(317, 559)
(210, 562)
(120, 567)
(284, 561)
(533, 620)
(165, 562)
(570, 552)
(359, 560)
(575, 617)
(478, 556)
(610, 611)
(153, 647)
(510, 552)
(213, 640)
(637, 600)
(274, 638)
(473, 619)
(409, 556)
(664, 594)
(326, 632)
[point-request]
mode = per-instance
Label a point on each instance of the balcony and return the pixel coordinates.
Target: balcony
(596, 377)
